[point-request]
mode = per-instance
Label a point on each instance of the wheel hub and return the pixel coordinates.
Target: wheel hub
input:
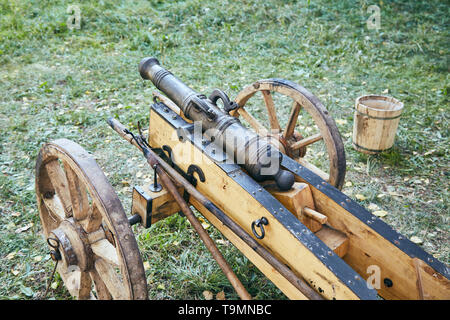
(72, 245)
(284, 145)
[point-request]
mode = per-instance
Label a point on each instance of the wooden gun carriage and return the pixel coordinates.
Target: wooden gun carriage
(311, 240)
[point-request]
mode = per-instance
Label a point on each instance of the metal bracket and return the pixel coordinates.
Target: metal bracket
(190, 172)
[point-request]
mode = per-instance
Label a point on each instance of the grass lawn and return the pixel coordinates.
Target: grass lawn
(59, 82)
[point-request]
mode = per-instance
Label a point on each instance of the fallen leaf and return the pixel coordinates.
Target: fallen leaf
(380, 213)
(341, 121)
(204, 223)
(37, 258)
(220, 296)
(208, 295)
(221, 241)
(373, 206)
(386, 91)
(54, 285)
(161, 287)
(15, 214)
(10, 225)
(125, 183)
(27, 291)
(24, 228)
(11, 255)
(416, 240)
(348, 184)
(15, 272)
(381, 195)
(360, 197)
(146, 265)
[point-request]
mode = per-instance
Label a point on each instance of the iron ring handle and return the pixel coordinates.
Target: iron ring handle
(55, 244)
(259, 223)
(228, 105)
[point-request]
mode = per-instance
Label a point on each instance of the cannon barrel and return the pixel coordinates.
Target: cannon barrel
(259, 157)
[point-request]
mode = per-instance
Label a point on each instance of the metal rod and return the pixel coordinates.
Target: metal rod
(297, 282)
(134, 219)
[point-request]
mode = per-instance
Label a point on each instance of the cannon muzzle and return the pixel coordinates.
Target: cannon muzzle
(164, 80)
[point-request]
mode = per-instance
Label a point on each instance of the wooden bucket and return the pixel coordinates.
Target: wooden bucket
(375, 123)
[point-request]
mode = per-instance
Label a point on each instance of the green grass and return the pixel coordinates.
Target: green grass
(56, 82)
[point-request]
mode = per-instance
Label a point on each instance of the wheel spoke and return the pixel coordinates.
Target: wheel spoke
(78, 194)
(274, 124)
(105, 250)
(100, 287)
(306, 141)
(253, 122)
(289, 131)
(93, 220)
(85, 287)
(78, 283)
(325, 176)
(55, 208)
(59, 182)
(111, 279)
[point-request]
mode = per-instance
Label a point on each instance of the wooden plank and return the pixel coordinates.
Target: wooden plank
(334, 239)
(368, 248)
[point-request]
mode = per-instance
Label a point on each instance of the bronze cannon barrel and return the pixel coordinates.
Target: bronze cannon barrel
(256, 154)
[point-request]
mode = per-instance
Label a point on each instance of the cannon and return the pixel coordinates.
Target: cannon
(254, 184)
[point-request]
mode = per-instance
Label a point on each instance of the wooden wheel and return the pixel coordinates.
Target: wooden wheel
(301, 130)
(81, 213)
